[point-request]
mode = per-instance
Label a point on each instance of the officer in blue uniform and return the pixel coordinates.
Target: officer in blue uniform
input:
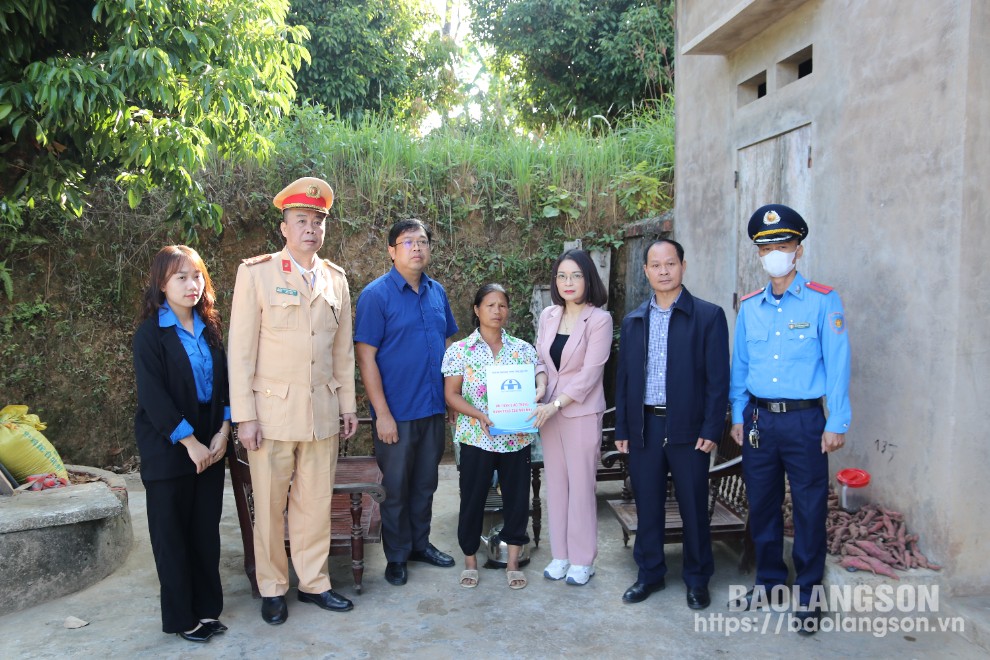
(789, 391)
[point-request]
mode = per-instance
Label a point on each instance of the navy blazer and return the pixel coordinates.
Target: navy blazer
(166, 393)
(697, 372)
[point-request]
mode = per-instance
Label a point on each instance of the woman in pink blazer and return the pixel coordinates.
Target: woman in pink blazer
(572, 344)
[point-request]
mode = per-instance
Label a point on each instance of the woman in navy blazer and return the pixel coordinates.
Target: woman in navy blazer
(182, 428)
(573, 344)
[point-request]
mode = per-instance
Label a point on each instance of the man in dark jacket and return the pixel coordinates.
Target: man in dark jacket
(671, 397)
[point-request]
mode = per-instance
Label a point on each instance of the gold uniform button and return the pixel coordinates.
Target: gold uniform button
(284, 305)
(268, 392)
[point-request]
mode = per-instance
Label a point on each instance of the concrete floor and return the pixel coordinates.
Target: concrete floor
(431, 617)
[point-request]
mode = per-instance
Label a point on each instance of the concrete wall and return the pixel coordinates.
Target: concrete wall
(966, 472)
(899, 109)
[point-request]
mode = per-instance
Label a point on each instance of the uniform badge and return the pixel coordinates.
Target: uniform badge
(286, 266)
(288, 292)
(837, 322)
(313, 192)
(771, 218)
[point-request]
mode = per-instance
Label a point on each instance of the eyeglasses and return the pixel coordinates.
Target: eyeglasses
(570, 277)
(409, 244)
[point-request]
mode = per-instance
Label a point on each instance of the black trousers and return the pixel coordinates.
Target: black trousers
(648, 467)
(477, 467)
(409, 475)
(184, 524)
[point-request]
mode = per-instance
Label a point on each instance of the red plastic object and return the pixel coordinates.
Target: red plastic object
(853, 477)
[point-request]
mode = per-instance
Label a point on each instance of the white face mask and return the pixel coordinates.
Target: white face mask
(778, 263)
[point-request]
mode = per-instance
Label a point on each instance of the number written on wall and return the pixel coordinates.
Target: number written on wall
(886, 448)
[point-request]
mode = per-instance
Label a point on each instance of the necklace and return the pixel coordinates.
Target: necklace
(567, 324)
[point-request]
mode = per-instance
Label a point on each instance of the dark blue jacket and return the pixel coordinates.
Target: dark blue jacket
(697, 372)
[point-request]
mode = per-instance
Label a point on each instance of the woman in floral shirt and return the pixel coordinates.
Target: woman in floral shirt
(464, 368)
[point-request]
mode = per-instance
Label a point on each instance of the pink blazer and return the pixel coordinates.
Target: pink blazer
(582, 362)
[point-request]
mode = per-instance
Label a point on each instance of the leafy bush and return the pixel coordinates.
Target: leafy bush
(143, 90)
(567, 60)
(373, 56)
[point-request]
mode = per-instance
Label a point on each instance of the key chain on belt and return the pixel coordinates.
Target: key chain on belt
(754, 433)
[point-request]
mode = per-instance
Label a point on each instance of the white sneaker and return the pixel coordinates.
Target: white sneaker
(557, 569)
(579, 574)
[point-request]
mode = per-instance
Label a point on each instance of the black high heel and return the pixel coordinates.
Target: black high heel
(215, 626)
(199, 634)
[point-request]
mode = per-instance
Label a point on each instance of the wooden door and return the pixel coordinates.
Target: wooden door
(774, 171)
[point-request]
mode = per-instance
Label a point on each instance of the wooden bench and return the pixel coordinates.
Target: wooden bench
(612, 469)
(355, 517)
(728, 508)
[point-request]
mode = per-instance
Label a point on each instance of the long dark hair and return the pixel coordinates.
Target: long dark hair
(595, 292)
(482, 292)
(167, 263)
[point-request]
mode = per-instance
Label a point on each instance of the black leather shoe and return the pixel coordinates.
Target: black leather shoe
(810, 622)
(432, 556)
(396, 573)
(200, 635)
(328, 600)
(215, 626)
(274, 610)
(747, 602)
(698, 598)
(641, 591)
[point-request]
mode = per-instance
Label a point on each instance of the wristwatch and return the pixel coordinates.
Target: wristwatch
(556, 404)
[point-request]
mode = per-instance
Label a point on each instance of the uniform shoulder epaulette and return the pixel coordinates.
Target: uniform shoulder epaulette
(751, 294)
(334, 266)
(820, 288)
(261, 258)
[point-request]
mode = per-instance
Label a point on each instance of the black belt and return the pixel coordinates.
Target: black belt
(786, 405)
(657, 411)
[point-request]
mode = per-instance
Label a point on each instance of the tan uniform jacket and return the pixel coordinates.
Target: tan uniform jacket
(291, 355)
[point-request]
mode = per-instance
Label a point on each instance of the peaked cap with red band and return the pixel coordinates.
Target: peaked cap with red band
(305, 193)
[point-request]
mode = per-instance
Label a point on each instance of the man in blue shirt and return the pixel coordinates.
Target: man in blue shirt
(790, 362)
(401, 331)
(671, 392)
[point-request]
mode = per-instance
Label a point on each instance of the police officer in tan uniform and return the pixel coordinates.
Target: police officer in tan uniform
(291, 363)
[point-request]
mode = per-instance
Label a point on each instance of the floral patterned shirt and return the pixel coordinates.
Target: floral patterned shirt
(470, 358)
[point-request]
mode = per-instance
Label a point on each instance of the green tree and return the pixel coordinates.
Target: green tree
(375, 56)
(145, 90)
(579, 58)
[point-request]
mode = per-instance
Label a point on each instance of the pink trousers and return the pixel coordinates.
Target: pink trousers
(571, 452)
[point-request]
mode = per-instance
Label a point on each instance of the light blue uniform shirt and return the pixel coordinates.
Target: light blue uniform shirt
(200, 359)
(797, 349)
